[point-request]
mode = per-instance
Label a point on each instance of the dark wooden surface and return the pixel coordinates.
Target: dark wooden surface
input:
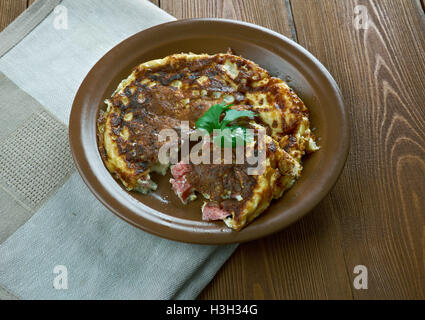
(375, 215)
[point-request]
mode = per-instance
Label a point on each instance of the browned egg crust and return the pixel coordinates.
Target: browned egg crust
(160, 94)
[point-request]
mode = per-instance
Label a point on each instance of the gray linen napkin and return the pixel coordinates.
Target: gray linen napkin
(51, 226)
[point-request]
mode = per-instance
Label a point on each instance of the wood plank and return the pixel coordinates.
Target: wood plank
(155, 2)
(303, 261)
(9, 10)
(271, 14)
(379, 200)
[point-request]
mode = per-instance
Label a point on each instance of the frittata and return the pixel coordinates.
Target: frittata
(162, 93)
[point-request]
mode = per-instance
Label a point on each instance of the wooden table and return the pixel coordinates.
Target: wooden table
(375, 215)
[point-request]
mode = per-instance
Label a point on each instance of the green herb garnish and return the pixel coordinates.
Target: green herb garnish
(231, 134)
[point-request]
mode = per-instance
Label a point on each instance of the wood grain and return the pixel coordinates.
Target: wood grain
(379, 201)
(271, 14)
(374, 216)
(10, 9)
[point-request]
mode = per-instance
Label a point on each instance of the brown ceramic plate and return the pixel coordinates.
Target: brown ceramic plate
(161, 213)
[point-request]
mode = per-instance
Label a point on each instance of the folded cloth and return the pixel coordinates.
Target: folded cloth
(56, 240)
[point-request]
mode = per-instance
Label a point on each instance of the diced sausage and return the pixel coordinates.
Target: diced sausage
(179, 170)
(182, 188)
(212, 212)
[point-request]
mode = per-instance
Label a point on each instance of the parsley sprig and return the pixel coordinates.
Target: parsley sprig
(230, 134)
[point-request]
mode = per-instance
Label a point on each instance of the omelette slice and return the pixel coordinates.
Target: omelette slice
(162, 93)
